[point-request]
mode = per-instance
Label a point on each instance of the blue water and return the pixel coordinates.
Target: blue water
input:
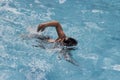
(94, 23)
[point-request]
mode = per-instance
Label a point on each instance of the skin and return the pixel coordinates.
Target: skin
(60, 32)
(61, 36)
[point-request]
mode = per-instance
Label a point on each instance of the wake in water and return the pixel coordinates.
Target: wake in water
(42, 42)
(66, 54)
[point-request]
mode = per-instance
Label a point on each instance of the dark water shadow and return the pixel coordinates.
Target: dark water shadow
(64, 52)
(67, 55)
(115, 38)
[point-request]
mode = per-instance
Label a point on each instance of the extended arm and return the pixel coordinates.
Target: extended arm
(61, 34)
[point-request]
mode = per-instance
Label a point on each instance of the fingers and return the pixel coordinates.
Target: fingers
(41, 27)
(60, 39)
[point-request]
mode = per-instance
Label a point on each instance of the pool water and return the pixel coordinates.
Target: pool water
(94, 23)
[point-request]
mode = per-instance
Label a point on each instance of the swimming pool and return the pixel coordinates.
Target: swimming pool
(94, 23)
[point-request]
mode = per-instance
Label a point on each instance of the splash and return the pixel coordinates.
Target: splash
(62, 1)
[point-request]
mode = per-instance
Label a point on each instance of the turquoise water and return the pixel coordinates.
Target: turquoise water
(94, 23)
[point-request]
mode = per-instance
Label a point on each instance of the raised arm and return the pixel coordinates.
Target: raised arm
(61, 34)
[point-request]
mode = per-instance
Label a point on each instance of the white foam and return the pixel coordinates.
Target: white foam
(97, 11)
(93, 25)
(32, 30)
(48, 14)
(62, 1)
(84, 11)
(39, 64)
(34, 76)
(89, 56)
(37, 1)
(4, 75)
(107, 64)
(116, 67)
(8, 8)
(3, 52)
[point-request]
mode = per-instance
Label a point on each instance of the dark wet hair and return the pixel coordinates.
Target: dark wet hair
(70, 42)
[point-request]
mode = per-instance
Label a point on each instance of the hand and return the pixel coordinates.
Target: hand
(41, 27)
(60, 39)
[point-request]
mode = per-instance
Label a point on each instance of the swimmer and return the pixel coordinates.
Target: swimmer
(68, 42)
(62, 38)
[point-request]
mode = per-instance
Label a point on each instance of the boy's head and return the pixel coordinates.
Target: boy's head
(70, 42)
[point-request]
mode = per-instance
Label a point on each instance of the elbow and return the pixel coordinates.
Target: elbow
(56, 23)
